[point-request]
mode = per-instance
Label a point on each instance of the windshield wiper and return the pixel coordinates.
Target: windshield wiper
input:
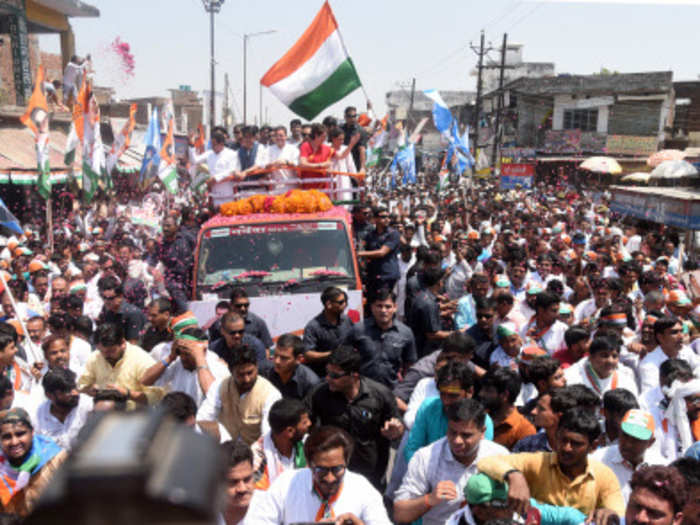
(320, 278)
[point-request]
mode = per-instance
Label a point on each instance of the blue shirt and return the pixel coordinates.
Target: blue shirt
(431, 425)
(386, 267)
(534, 443)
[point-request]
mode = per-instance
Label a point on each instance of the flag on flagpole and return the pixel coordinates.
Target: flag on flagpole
(8, 220)
(76, 133)
(316, 72)
(36, 118)
(152, 142)
(167, 169)
(121, 141)
(199, 141)
(442, 117)
(93, 150)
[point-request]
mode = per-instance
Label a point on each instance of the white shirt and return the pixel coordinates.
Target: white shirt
(63, 433)
(246, 519)
(435, 463)
(649, 366)
(177, 378)
(80, 350)
(585, 310)
(220, 165)
(424, 389)
(289, 153)
(275, 463)
(552, 340)
(612, 457)
(211, 406)
(500, 358)
(291, 499)
(576, 375)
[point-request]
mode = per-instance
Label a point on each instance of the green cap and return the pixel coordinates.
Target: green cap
(482, 489)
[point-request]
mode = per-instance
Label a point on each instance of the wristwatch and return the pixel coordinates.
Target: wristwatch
(202, 367)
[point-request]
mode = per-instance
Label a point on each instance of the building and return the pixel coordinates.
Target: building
(399, 106)
(20, 22)
(622, 114)
(686, 122)
(516, 68)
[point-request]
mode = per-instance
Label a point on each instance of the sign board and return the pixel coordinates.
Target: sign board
(657, 208)
(19, 39)
(519, 175)
(631, 145)
(563, 141)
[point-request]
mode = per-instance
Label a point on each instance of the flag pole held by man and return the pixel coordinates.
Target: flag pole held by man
(36, 119)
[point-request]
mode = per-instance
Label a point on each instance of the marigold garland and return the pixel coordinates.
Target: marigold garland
(294, 201)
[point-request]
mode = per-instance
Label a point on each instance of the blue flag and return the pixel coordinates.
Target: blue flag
(151, 156)
(404, 160)
(8, 220)
(442, 117)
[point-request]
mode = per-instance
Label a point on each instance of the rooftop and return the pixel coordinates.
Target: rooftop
(619, 83)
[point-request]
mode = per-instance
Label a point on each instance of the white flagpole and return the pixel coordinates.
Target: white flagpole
(30, 344)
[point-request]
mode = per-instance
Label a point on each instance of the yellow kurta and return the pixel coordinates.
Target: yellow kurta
(596, 488)
(126, 373)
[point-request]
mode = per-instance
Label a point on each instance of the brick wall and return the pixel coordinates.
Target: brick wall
(634, 117)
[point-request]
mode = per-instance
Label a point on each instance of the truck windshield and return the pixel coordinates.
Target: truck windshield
(285, 254)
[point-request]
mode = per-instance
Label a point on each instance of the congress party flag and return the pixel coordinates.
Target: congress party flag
(167, 169)
(122, 141)
(316, 72)
(36, 118)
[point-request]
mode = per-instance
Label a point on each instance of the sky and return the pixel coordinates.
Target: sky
(390, 41)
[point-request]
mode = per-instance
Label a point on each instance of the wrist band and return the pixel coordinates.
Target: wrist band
(165, 362)
(203, 367)
(505, 476)
(427, 501)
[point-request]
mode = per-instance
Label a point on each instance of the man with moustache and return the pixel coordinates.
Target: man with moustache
(433, 486)
(65, 411)
(240, 486)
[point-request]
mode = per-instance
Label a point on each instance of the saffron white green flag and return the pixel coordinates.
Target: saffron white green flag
(36, 118)
(167, 169)
(316, 72)
(93, 150)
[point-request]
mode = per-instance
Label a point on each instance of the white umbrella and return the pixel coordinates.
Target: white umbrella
(673, 169)
(636, 177)
(601, 165)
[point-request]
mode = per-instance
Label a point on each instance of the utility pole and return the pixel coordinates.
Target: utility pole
(496, 135)
(225, 109)
(245, 70)
(481, 52)
(212, 7)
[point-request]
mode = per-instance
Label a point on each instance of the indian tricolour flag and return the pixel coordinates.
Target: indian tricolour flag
(316, 72)
(167, 169)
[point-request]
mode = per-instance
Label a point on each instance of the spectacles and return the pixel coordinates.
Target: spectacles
(234, 332)
(339, 301)
(242, 305)
(109, 298)
(336, 470)
(336, 375)
(484, 316)
(351, 116)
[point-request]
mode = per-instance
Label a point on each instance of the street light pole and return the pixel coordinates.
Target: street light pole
(245, 69)
(212, 7)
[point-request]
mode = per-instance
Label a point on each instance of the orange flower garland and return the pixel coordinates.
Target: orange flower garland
(294, 201)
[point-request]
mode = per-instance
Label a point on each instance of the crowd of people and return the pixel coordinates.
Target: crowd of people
(524, 356)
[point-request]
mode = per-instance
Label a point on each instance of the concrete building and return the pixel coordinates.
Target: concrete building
(20, 22)
(618, 114)
(516, 68)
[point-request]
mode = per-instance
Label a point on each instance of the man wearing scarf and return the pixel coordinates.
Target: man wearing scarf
(325, 492)
(27, 463)
(683, 412)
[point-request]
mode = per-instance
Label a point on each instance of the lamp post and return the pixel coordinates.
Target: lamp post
(212, 7)
(245, 68)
